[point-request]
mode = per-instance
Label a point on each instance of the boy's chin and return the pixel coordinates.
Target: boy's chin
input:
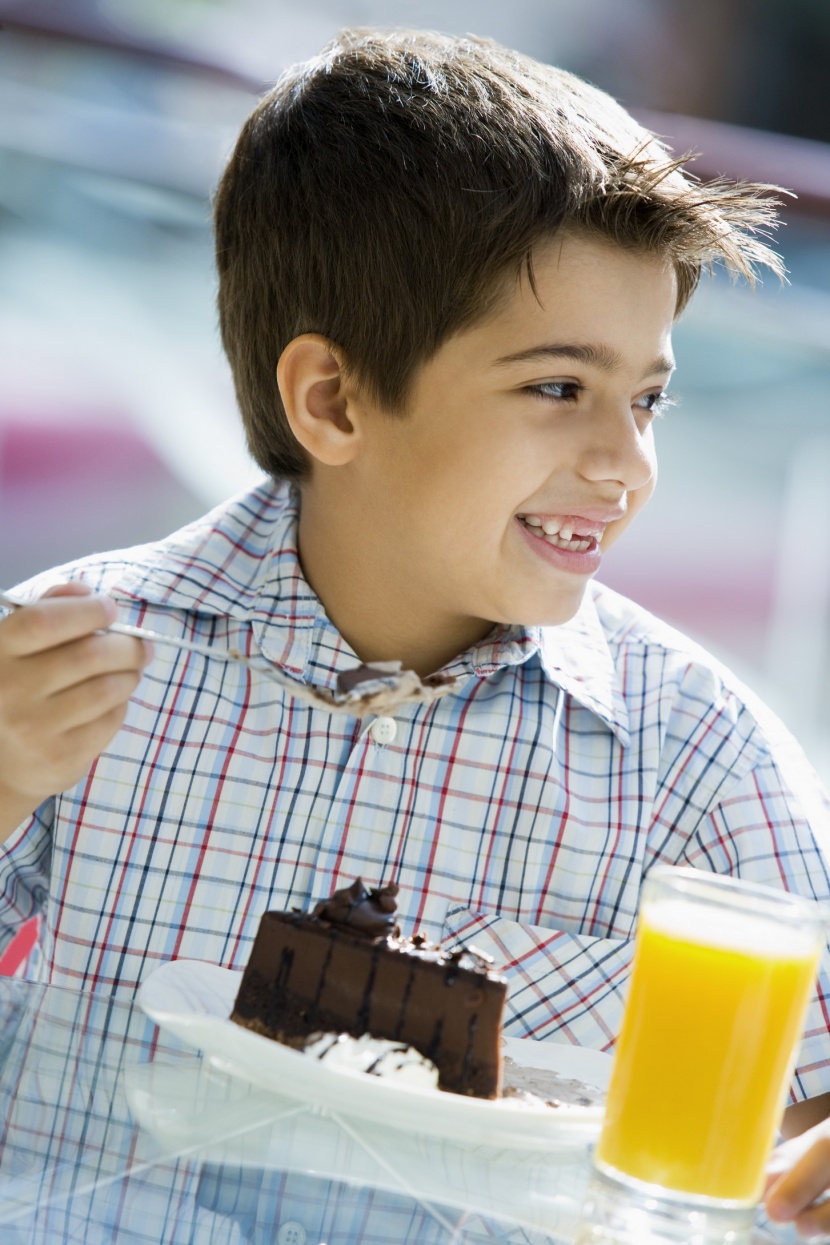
(554, 614)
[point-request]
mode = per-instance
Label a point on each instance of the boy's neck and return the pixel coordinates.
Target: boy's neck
(374, 602)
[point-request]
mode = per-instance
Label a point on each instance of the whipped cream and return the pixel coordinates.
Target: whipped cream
(376, 1056)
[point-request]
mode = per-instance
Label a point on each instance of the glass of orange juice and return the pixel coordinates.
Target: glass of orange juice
(722, 976)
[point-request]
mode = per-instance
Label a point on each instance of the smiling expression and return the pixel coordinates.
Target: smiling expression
(526, 449)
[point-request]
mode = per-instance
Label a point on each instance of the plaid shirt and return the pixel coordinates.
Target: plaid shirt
(76, 1167)
(519, 814)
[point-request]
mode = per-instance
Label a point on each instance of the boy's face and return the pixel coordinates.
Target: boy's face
(538, 418)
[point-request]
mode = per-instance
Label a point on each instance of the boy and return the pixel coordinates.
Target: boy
(448, 278)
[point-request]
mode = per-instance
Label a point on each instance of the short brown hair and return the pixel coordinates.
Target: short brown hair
(380, 193)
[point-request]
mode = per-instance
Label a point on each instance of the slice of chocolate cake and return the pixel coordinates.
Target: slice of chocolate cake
(344, 968)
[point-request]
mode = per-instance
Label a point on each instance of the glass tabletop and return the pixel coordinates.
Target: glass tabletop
(111, 1131)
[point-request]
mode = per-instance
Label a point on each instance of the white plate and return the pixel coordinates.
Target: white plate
(190, 1107)
(193, 1000)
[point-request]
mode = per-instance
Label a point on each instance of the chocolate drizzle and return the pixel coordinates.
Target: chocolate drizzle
(433, 1051)
(314, 1010)
(362, 1017)
(369, 912)
(349, 681)
(410, 981)
(467, 1065)
(345, 968)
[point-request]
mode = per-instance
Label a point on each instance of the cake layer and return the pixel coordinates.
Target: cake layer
(307, 976)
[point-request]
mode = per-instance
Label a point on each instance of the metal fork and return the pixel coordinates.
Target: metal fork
(375, 689)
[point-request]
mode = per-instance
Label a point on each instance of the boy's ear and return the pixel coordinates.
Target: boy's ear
(311, 382)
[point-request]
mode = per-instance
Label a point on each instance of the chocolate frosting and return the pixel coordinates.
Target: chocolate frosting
(369, 912)
(348, 680)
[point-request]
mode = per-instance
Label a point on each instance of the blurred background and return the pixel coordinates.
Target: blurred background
(117, 416)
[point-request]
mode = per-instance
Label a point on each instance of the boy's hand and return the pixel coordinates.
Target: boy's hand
(801, 1175)
(63, 694)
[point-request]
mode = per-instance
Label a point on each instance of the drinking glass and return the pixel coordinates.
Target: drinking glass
(723, 972)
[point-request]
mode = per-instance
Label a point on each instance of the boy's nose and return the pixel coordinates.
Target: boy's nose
(618, 450)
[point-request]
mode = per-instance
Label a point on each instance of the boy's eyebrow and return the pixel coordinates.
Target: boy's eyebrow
(603, 357)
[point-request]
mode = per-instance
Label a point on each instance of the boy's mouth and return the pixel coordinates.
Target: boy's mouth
(569, 532)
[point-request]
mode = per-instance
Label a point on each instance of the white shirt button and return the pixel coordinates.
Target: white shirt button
(383, 730)
(291, 1233)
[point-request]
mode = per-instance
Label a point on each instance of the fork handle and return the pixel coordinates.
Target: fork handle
(156, 637)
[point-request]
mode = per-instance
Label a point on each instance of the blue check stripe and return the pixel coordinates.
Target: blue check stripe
(520, 814)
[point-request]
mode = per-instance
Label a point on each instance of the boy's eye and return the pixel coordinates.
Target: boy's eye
(656, 403)
(559, 390)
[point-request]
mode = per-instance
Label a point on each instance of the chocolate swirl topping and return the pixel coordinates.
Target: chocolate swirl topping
(349, 681)
(369, 912)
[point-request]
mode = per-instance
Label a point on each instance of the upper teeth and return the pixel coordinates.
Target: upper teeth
(551, 527)
(558, 528)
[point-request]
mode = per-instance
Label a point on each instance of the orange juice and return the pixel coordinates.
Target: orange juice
(716, 1007)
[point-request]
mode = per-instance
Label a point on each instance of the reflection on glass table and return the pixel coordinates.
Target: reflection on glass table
(112, 1131)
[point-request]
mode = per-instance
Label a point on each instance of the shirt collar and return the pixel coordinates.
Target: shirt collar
(577, 656)
(241, 561)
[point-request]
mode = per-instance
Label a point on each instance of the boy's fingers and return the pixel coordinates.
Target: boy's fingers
(88, 702)
(54, 620)
(89, 741)
(806, 1180)
(27, 684)
(46, 674)
(72, 588)
(815, 1221)
(68, 756)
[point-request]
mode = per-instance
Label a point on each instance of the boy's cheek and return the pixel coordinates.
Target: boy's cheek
(637, 499)
(615, 530)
